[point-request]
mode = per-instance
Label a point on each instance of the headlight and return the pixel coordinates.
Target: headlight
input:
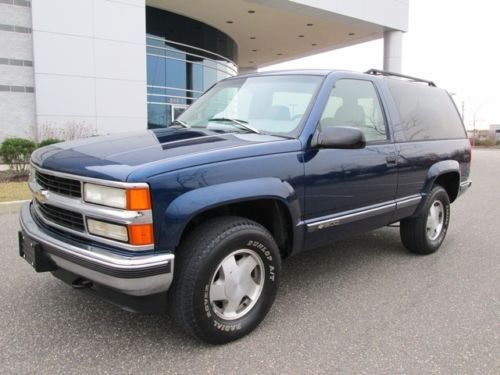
(105, 195)
(138, 234)
(108, 230)
(128, 199)
(134, 198)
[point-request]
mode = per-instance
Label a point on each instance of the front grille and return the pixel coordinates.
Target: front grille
(60, 216)
(59, 185)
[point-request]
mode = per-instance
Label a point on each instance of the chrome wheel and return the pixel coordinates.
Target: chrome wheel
(435, 220)
(237, 284)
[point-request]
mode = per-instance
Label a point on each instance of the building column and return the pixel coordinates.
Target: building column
(393, 51)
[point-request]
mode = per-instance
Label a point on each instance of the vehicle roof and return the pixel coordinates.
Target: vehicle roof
(324, 72)
(316, 72)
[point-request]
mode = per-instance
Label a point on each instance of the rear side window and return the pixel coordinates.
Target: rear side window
(426, 112)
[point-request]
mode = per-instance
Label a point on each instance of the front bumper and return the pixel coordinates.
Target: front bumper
(138, 275)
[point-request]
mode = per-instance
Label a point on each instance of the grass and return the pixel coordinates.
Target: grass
(14, 191)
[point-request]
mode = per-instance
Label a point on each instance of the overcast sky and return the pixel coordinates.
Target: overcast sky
(454, 43)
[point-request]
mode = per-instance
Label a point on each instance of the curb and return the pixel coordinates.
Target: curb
(13, 202)
(11, 207)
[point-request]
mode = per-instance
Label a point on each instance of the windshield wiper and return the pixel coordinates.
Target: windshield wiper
(181, 123)
(241, 123)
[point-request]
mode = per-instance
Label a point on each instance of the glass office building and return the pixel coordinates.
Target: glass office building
(184, 58)
(113, 66)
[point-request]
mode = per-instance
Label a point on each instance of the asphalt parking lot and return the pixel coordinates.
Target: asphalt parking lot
(364, 306)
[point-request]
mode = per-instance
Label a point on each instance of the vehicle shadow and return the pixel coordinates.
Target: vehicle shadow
(88, 317)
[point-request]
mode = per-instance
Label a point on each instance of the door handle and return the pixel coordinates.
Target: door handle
(392, 159)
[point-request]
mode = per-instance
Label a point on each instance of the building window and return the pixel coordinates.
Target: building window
(184, 58)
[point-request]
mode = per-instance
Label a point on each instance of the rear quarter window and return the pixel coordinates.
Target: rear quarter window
(426, 112)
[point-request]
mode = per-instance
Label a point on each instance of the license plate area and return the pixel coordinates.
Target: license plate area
(33, 253)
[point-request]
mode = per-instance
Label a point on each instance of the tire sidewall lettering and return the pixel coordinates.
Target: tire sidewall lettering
(262, 248)
(271, 270)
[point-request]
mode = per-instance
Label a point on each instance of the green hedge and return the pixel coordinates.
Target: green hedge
(48, 142)
(16, 152)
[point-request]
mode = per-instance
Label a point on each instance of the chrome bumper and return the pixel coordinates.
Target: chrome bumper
(464, 186)
(133, 275)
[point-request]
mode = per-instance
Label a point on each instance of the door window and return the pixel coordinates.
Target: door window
(355, 103)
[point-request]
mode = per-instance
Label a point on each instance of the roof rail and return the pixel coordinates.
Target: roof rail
(384, 73)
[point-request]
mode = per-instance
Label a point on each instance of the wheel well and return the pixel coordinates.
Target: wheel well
(450, 182)
(270, 213)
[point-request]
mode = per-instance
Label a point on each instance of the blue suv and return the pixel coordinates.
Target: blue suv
(198, 217)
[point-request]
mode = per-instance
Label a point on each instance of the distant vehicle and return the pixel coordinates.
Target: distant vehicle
(261, 167)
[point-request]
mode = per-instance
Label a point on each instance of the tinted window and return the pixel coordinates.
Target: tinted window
(355, 103)
(426, 112)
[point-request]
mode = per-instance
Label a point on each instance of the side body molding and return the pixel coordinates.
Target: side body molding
(185, 207)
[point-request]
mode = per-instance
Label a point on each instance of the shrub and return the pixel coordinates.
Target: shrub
(49, 141)
(67, 132)
(485, 142)
(16, 152)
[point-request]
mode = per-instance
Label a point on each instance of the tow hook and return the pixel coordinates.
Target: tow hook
(82, 283)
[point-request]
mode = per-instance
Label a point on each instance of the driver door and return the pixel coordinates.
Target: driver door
(351, 190)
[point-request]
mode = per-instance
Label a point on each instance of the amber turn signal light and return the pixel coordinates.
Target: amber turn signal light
(141, 234)
(138, 199)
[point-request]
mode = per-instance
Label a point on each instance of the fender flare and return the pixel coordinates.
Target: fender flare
(438, 169)
(190, 204)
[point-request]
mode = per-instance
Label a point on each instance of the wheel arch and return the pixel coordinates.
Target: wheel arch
(445, 173)
(271, 202)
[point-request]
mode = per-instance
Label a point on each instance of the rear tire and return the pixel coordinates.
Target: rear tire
(226, 279)
(425, 233)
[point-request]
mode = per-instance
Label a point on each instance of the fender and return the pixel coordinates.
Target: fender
(185, 207)
(436, 170)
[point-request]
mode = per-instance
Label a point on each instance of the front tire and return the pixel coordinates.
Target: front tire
(425, 233)
(226, 279)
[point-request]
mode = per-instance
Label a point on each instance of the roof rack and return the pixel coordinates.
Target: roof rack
(384, 73)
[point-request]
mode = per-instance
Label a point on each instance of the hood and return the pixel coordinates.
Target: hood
(147, 153)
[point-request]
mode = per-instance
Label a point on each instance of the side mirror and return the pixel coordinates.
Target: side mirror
(344, 137)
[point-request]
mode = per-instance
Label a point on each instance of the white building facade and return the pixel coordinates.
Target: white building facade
(495, 132)
(104, 66)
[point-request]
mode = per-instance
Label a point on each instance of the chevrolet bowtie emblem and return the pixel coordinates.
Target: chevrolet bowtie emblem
(41, 196)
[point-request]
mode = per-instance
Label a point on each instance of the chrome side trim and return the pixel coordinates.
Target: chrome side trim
(343, 218)
(363, 213)
(408, 201)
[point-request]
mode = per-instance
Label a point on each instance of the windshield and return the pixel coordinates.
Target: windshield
(267, 104)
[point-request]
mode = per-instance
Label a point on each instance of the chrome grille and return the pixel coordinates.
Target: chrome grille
(57, 202)
(59, 185)
(69, 219)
